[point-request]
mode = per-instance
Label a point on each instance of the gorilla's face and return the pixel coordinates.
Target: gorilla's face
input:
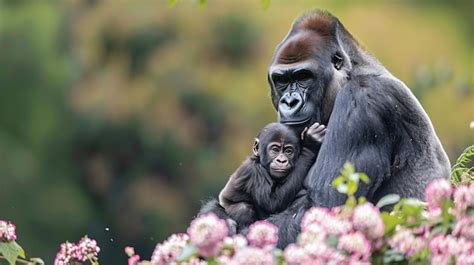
(305, 78)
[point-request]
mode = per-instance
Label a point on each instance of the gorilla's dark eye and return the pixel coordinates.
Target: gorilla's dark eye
(289, 151)
(280, 79)
(337, 61)
(303, 75)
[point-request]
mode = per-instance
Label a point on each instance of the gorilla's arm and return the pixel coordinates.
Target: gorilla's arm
(235, 197)
(356, 133)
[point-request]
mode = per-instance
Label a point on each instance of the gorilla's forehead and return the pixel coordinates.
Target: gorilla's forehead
(300, 46)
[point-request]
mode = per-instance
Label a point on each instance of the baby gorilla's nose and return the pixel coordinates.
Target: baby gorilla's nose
(282, 160)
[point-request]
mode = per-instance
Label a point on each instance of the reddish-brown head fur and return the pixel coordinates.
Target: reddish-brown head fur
(309, 32)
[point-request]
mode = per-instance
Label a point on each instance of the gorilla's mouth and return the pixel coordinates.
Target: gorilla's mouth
(303, 122)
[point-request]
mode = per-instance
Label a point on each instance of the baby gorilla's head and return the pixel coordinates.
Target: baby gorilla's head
(278, 146)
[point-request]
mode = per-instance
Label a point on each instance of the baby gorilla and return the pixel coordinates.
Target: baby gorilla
(271, 178)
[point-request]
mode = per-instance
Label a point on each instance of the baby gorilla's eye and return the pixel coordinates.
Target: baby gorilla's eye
(275, 149)
(289, 151)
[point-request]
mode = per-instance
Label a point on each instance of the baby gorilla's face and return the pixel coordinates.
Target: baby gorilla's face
(281, 154)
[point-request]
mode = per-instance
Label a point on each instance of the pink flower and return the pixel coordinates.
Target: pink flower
(440, 260)
(332, 223)
(295, 255)
(366, 218)
(170, 249)
(233, 244)
(313, 233)
(133, 260)
(463, 198)
(446, 245)
(7, 231)
(252, 256)
(437, 192)
(318, 250)
(336, 225)
(207, 232)
(465, 227)
(69, 252)
(66, 254)
(86, 248)
(262, 234)
(406, 242)
(465, 259)
(356, 245)
(130, 251)
(314, 215)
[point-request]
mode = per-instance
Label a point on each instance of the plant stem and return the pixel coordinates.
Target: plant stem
(19, 260)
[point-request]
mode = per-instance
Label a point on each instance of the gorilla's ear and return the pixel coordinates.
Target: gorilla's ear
(255, 147)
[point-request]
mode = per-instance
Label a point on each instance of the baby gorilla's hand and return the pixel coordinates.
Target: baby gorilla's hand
(316, 132)
(313, 136)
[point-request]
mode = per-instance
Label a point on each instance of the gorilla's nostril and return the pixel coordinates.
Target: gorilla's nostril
(293, 102)
(290, 101)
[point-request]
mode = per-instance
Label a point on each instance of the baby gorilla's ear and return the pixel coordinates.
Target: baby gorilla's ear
(255, 147)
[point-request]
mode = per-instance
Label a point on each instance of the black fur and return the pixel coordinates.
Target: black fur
(253, 193)
(373, 120)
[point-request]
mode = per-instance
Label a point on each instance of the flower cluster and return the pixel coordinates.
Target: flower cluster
(207, 239)
(7, 231)
(441, 233)
(85, 249)
(448, 232)
(337, 235)
(170, 249)
(207, 233)
(262, 235)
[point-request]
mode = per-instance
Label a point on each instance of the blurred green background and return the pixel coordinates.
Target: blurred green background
(118, 117)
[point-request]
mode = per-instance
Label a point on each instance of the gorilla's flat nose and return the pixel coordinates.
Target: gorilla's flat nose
(290, 103)
(281, 160)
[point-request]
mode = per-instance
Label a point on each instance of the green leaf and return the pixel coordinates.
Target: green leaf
(390, 222)
(338, 181)
(351, 202)
(461, 168)
(470, 211)
(202, 2)
(347, 169)
(172, 2)
(332, 241)
(187, 253)
(11, 251)
(351, 187)
(37, 261)
(438, 230)
(364, 178)
(392, 256)
(388, 200)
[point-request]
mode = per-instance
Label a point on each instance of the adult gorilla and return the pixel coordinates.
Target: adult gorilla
(319, 73)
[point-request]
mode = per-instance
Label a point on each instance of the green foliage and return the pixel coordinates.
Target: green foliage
(188, 252)
(11, 251)
(388, 200)
(461, 170)
(348, 182)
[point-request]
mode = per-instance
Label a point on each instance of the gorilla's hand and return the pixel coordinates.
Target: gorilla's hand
(313, 136)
